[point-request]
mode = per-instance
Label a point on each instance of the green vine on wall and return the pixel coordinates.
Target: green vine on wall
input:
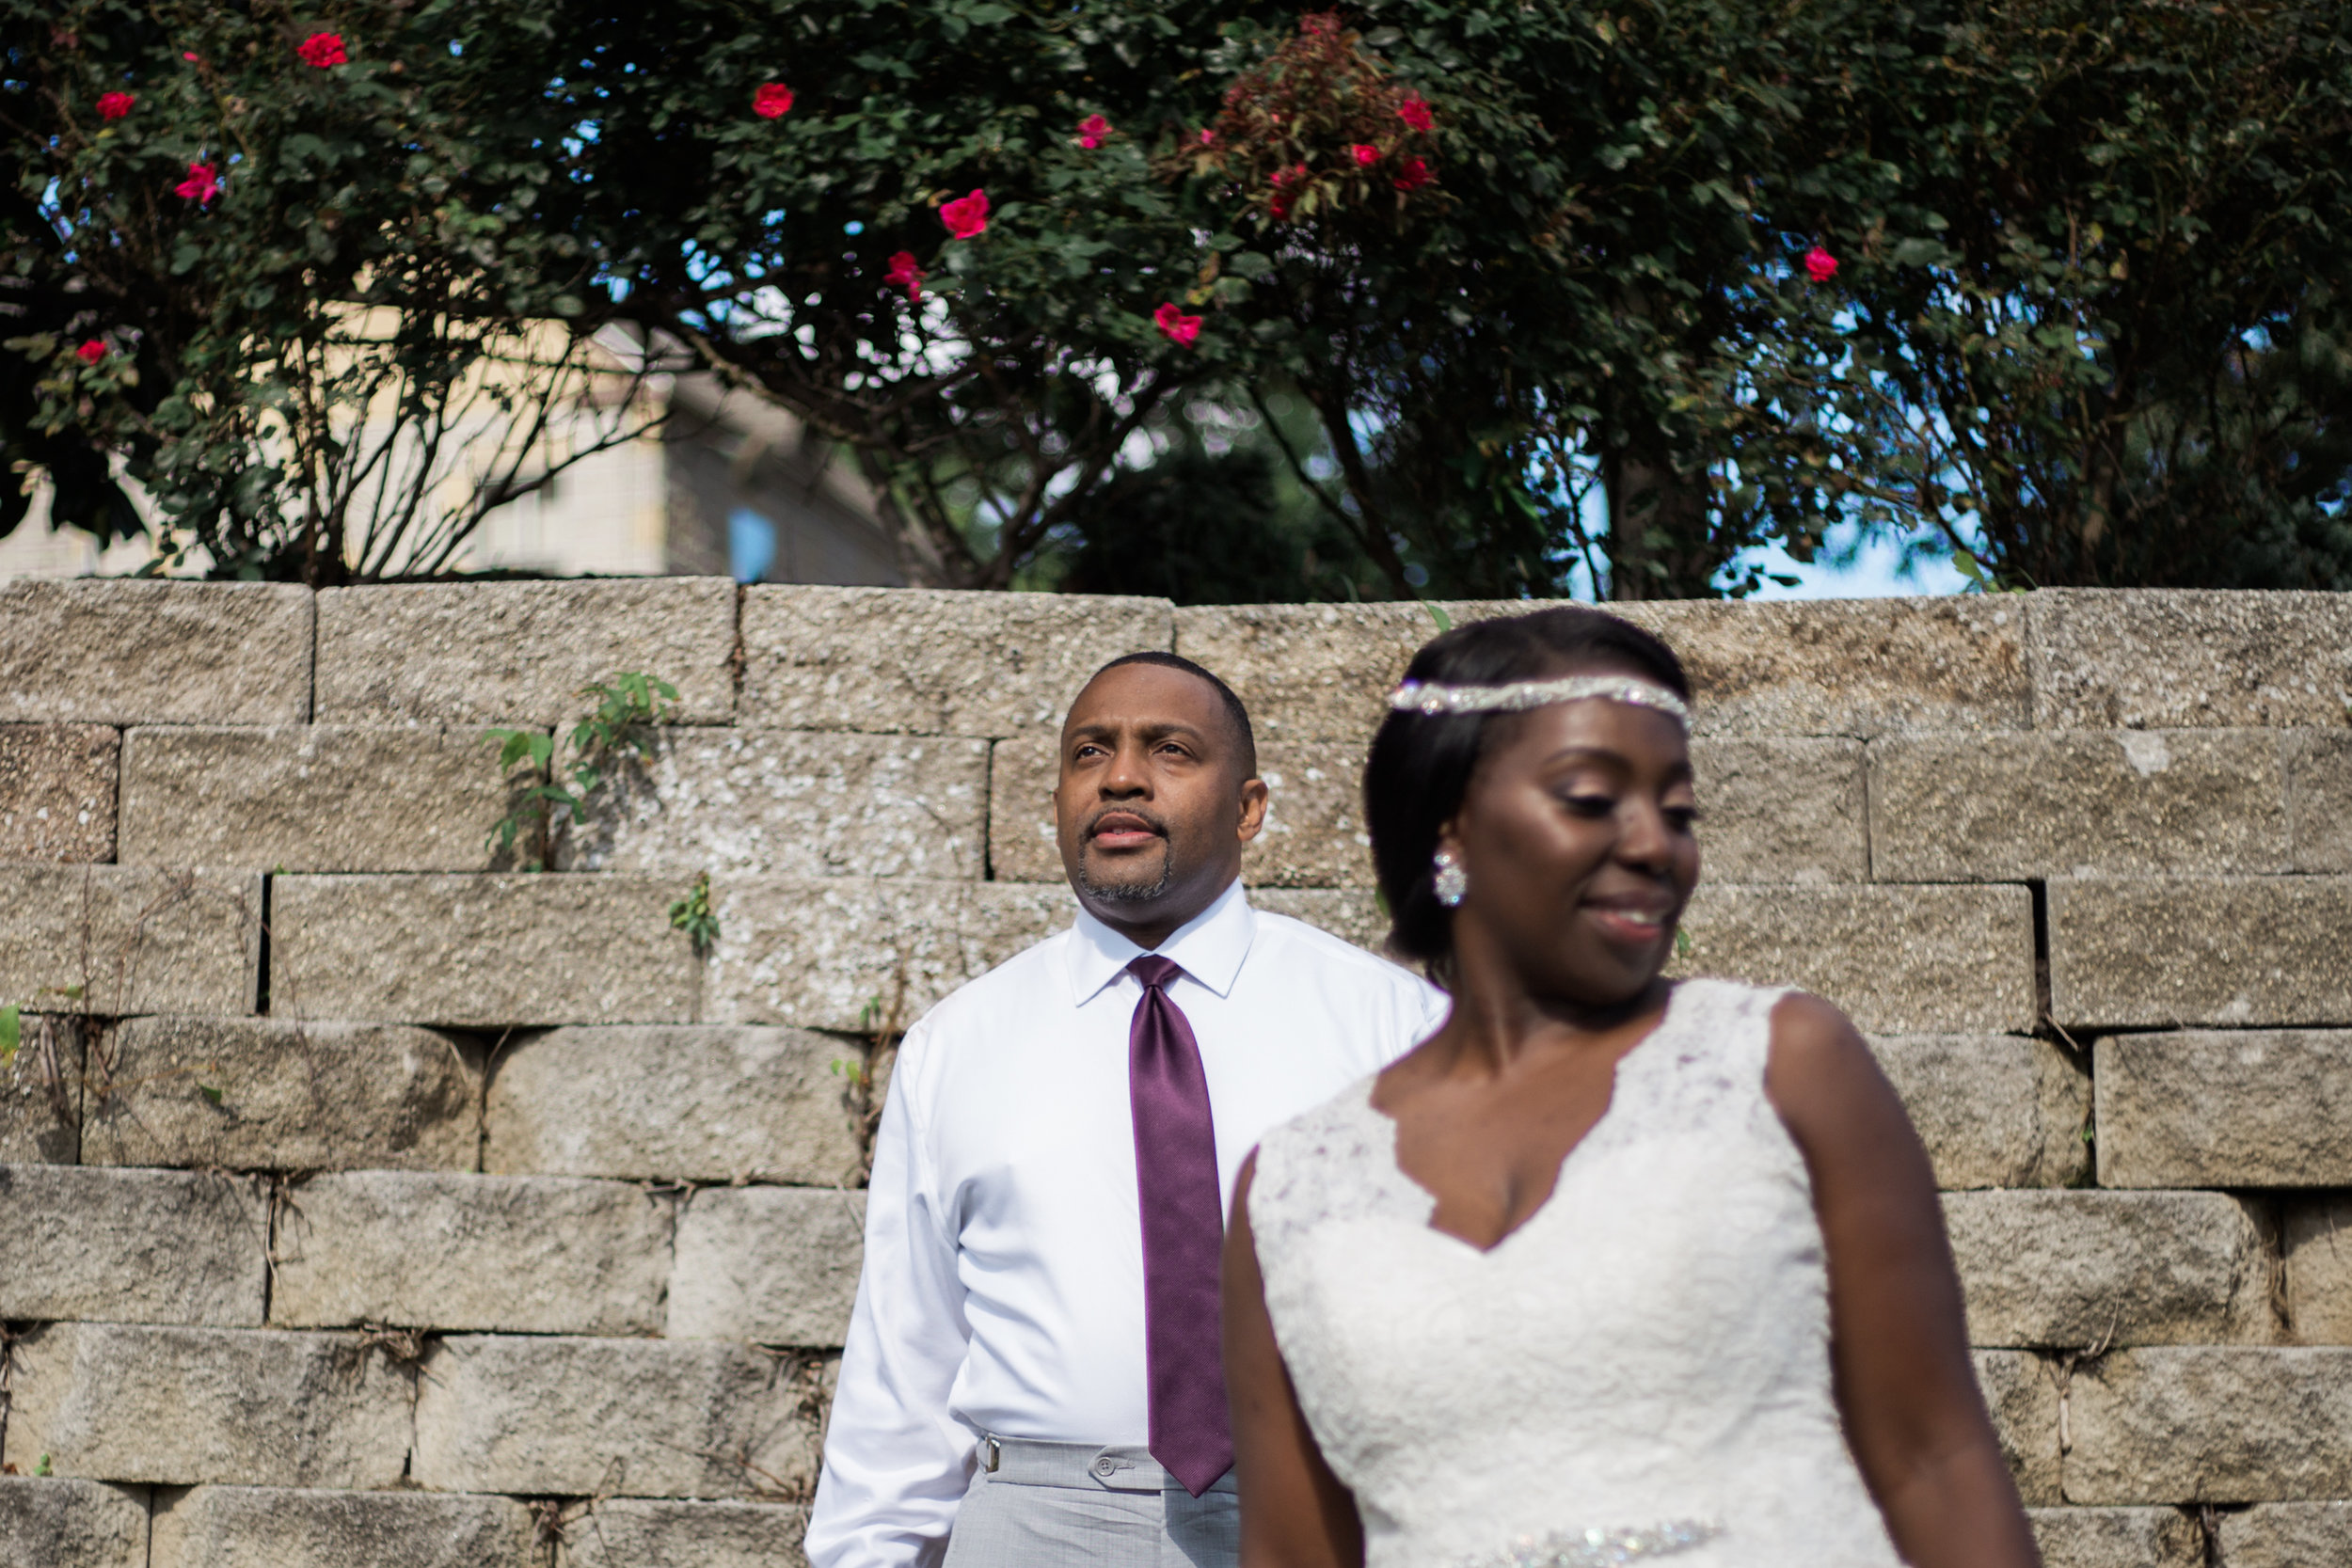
(628, 710)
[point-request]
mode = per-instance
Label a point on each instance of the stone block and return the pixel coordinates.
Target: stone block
(639, 1417)
(2219, 1424)
(2319, 798)
(634, 1532)
(57, 792)
(532, 1255)
(2187, 659)
(856, 953)
(2225, 1108)
(2118, 1538)
(792, 804)
(1021, 772)
(118, 651)
(490, 951)
(1898, 960)
(1351, 914)
(275, 1526)
(519, 652)
(2022, 1393)
(2288, 1535)
(1993, 1110)
(1317, 672)
(131, 1246)
(1777, 810)
(55, 1523)
(2068, 1270)
(312, 798)
(894, 661)
(775, 1265)
(133, 939)
(685, 1103)
(2317, 1240)
(40, 1093)
(281, 1094)
(2112, 802)
(183, 1406)
(2170, 951)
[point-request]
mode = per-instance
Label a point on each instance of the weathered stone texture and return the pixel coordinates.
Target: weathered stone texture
(2073, 1269)
(187, 1405)
(1782, 810)
(853, 953)
(2225, 1108)
(519, 652)
(533, 1255)
(272, 1526)
(40, 1093)
(2171, 660)
(1021, 772)
(1310, 672)
(491, 951)
(292, 1095)
(2288, 1535)
(2022, 1394)
(112, 651)
(311, 798)
(131, 1246)
(1351, 914)
(2177, 950)
(2318, 1244)
(135, 939)
(2118, 1538)
(637, 1532)
(774, 1266)
(1993, 1110)
(636, 1417)
(57, 792)
(2319, 798)
(56, 1523)
(707, 1103)
(790, 803)
(2212, 1424)
(916, 661)
(1899, 959)
(2127, 802)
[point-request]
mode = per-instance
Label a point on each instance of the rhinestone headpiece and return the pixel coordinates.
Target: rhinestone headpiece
(1519, 696)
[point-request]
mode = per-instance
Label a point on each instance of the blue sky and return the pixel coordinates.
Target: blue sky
(1876, 572)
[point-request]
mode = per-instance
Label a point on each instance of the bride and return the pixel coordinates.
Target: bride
(1612, 1267)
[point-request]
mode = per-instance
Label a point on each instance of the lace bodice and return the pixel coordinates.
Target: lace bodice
(1647, 1354)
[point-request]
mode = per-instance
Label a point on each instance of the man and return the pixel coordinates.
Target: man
(1032, 1374)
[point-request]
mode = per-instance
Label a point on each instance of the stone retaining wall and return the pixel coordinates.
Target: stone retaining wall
(363, 1201)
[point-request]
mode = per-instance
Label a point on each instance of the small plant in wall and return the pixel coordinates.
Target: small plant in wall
(629, 707)
(693, 915)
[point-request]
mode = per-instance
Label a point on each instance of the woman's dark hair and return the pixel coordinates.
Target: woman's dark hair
(1421, 763)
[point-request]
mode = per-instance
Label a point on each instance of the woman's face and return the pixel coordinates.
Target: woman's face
(1576, 834)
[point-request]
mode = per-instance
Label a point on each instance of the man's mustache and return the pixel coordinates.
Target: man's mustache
(1150, 819)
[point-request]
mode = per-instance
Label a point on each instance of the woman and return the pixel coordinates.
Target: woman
(1610, 1267)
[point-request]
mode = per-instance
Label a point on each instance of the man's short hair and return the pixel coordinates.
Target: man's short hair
(1233, 709)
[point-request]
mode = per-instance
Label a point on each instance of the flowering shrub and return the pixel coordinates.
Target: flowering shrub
(905, 274)
(114, 105)
(1820, 265)
(966, 217)
(322, 50)
(1092, 132)
(202, 183)
(1175, 326)
(774, 100)
(91, 352)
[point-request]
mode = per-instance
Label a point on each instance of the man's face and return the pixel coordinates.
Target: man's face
(1155, 800)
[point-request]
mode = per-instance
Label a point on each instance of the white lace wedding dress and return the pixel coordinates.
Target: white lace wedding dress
(1641, 1370)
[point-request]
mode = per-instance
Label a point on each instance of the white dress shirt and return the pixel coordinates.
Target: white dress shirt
(1003, 1288)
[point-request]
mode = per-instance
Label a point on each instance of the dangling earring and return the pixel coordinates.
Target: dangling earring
(1451, 881)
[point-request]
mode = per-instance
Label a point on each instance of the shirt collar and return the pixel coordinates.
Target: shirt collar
(1208, 947)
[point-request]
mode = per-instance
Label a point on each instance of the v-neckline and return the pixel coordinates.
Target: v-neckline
(1616, 1073)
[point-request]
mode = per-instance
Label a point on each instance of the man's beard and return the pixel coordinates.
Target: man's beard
(1130, 892)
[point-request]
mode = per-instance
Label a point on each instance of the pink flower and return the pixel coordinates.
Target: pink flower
(1091, 131)
(905, 274)
(1415, 113)
(322, 50)
(1175, 326)
(966, 217)
(92, 352)
(774, 100)
(1411, 175)
(1820, 265)
(1208, 137)
(1365, 155)
(114, 105)
(189, 55)
(202, 183)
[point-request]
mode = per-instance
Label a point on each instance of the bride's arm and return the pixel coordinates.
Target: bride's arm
(1898, 1341)
(1295, 1514)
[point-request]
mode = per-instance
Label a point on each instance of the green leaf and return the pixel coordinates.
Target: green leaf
(210, 1091)
(11, 1033)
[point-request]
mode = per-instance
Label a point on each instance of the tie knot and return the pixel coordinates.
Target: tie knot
(1154, 971)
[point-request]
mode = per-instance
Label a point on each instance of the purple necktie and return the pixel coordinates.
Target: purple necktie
(1184, 1233)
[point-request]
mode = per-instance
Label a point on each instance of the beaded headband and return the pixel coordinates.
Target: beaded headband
(1519, 696)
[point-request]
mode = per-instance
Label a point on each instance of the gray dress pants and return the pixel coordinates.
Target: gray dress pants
(1073, 1505)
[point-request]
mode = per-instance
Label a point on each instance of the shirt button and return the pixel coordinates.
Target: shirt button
(1106, 1466)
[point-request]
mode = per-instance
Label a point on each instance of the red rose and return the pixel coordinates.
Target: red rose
(322, 50)
(1091, 131)
(905, 274)
(91, 352)
(1411, 175)
(202, 183)
(114, 105)
(966, 217)
(772, 100)
(1820, 265)
(1208, 137)
(1365, 156)
(1415, 113)
(1175, 326)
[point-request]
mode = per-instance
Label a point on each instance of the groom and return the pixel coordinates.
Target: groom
(1032, 1375)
